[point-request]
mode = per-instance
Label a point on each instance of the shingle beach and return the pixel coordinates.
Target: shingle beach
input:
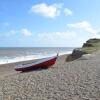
(76, 80)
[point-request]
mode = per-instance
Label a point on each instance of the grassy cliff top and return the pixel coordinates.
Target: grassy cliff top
(91, 46)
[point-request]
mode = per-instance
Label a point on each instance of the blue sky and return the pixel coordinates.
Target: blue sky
(48, 23)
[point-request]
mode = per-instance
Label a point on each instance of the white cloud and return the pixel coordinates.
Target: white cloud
(83, 25)
(87, 30)
(68, 12)
(26, 32)
(96, 35)
(57, 36)
(57, 39)
(47, 10)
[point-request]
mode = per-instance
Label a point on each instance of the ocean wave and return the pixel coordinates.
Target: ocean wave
(6, 60)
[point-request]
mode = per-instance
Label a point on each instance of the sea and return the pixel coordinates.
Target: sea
(17, 54)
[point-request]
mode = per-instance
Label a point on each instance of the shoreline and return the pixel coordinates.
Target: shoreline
(29, 58)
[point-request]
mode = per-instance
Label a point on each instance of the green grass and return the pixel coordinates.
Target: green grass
(92, 45)
(89, 50)
(95, 46)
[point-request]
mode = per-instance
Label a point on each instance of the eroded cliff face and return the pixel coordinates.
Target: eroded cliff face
(77, 53)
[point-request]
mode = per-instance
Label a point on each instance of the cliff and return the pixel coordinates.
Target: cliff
(91, 45)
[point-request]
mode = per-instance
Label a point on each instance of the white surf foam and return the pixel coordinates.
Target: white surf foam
(7, 60)
(17, 59)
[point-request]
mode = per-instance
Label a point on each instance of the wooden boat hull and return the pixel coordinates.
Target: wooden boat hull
(42, 65)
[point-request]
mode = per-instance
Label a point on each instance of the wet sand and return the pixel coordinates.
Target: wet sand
(76, 80)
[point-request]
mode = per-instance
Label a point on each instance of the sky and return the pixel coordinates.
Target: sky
(48, 23)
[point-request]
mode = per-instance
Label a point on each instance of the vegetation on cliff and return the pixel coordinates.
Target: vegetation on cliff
(91, 45)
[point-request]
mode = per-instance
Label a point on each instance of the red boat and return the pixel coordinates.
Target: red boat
(40, 63)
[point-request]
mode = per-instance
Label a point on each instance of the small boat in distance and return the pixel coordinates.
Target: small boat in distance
(42, 63)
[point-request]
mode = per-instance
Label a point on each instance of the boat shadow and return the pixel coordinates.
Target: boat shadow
(37, 69)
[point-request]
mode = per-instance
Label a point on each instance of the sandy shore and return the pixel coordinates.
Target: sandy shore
(76, 80)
